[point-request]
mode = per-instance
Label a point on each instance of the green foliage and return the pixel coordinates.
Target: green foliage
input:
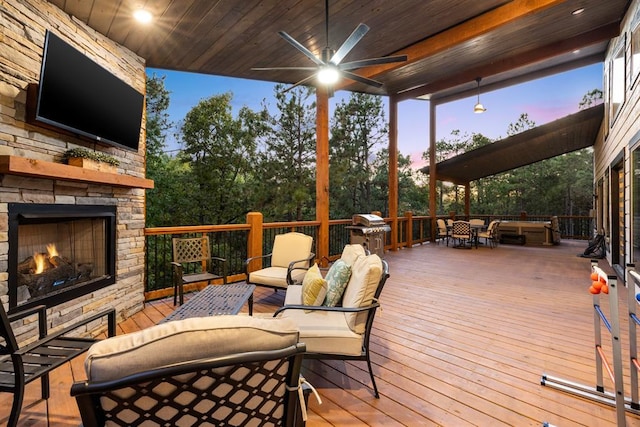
(411, 196)
(169, 186)
(590, 99)
(286, 164)
(97, 156)
(358, 130)
(221, 153)
(257, 161)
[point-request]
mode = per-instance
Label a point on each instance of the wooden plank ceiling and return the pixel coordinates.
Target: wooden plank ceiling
(448, 43)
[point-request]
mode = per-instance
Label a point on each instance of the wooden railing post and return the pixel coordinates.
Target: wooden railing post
(254, 244)
(409, 229)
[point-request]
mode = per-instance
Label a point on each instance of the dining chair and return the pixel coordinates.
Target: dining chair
(461, 232)
(442, 232)
(490, 235)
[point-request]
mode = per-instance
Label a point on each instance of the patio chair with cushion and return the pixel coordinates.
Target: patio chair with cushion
(290, 259)
(490, 235)
(218, 370)
(442, 231)
(193, 263)
(339, 329)
(461, 232)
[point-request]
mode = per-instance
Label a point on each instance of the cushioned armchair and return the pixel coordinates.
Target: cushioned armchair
(290, 258)
(490, 236)
(219, 370)
(461, 233)
(341, 331)
(443, 231)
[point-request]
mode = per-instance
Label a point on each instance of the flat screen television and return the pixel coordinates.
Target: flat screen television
(80, 96)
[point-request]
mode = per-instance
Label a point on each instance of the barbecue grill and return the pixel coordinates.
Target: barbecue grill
(369, 231)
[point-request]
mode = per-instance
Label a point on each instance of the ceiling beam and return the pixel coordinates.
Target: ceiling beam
(551, 50)
(524, 78)
(466, 31)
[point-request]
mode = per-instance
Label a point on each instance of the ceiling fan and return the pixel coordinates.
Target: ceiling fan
(329, 67)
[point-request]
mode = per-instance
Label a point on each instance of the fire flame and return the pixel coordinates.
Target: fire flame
(51, 249)
(41, 259)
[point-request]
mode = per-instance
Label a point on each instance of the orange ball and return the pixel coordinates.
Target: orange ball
(597, 284)
(594, 290)
(594, 276)
(603, 280)
(605, 289)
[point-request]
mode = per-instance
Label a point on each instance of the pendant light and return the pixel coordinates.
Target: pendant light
(479, 108)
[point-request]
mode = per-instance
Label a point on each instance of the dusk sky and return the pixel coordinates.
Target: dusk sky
(544, 100)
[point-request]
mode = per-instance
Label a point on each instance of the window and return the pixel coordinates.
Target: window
(617, 80)
(635, 52)
(635, 200)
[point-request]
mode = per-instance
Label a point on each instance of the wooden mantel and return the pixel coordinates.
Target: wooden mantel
(15, 165)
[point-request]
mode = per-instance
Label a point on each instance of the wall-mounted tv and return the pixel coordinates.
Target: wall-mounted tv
(82, 97)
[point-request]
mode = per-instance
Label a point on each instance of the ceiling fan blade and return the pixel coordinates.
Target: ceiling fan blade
(357, 78)
(301, 48)
(372, 61)
(284, 68)
(301, 82)
(349, 43)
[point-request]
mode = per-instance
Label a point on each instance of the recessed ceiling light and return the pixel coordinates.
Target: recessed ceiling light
(578, 11)
(142, 15)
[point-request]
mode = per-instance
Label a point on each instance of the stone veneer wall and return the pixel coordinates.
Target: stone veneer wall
(23, 25)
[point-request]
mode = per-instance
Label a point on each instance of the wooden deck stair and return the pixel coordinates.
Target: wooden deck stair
(462, 340)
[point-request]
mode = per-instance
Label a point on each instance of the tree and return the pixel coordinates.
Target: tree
(169, 175)
(410, 194)
(286, 164)
(591, 98)
(358, 128)
(221, 152)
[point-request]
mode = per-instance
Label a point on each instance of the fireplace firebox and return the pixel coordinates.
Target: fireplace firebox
(59, 252)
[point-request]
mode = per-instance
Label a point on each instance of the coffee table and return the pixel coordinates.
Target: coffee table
(215, 300)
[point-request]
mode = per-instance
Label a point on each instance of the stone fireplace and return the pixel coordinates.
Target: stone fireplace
(95, 219)
(59, 252)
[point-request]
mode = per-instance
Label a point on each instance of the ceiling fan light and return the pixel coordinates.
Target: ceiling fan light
(328, 75)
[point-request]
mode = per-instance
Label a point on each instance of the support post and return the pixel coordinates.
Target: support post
(322, 172)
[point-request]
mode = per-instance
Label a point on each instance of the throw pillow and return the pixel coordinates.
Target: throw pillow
(337, 279)
(314, 287)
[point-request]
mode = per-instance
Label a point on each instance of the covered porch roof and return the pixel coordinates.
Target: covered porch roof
(561, 136)
(448, 44)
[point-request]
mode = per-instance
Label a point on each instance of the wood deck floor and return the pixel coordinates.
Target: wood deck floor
(462, 340)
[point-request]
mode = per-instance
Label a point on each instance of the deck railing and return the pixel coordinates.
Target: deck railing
(232, 241)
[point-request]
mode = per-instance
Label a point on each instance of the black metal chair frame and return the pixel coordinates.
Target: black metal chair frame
(205, 259)
(443, 231)
(143, 385)
(463, 234)
(20, 366)
(372, 308)
(491, 235)
(290, 268)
